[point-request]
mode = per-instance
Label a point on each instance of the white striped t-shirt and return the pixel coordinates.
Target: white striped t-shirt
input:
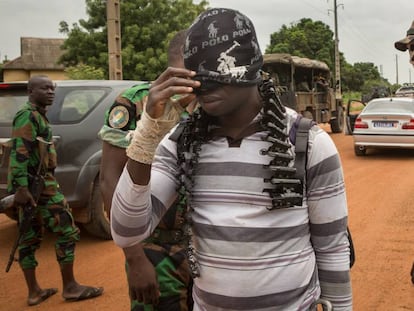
(250, 257)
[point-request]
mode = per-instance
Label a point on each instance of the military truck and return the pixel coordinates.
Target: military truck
(305, 85)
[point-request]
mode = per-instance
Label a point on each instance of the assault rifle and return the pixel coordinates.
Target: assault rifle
(36, 185)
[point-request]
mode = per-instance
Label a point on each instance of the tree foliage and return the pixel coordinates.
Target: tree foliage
(305, 38)
(362, 76)
(146, 28)
(84, 72)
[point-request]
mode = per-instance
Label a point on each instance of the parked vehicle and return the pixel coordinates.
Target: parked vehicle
(405, 90)
(305, 86)
(381, 123)
(76, 117)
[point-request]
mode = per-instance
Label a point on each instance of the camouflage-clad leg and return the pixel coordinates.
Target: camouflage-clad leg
(173, 278)
(57, 218)
(30, 242)
(60, 220)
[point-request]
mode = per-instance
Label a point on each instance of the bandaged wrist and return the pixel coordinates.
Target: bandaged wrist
(149, 133)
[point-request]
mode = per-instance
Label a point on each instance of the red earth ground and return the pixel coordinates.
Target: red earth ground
(380, 192)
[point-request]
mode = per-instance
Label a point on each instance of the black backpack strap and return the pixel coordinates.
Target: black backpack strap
(351, 248)
(300, 140)
(301, 146)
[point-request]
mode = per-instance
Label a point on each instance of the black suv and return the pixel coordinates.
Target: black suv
(76, 117)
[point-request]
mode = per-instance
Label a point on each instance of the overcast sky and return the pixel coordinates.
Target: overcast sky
(367, 29)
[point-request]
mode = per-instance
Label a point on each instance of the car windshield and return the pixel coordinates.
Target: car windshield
(389, 106)
(10, 102)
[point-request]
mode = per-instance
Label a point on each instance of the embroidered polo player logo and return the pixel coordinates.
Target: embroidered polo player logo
(212, 30)
(227, 63)
(239, 19)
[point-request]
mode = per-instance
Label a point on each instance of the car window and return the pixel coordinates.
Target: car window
(78, 103)
(388, 106)
(10, 102)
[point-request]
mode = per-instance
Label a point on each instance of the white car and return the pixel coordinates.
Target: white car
(384, 123)
(406, 90)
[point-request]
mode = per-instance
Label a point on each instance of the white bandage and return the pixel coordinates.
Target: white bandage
(149, 132)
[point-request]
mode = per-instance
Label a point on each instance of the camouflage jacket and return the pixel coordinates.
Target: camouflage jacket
(28, 124)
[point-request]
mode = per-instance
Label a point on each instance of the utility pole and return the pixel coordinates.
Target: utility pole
(337, 58)
(114, 39)
(396, 68)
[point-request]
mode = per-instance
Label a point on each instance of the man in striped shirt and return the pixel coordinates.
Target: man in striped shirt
(258, 238)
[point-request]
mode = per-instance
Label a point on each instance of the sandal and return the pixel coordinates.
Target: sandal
(44, 294)
(87, 293)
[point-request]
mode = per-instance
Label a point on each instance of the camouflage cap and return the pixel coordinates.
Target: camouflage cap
(221, 46)
(402, 44)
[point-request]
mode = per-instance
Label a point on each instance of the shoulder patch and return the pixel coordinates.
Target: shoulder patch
(118, 117)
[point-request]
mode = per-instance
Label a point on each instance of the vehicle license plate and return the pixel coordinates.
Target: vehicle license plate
(384, 123)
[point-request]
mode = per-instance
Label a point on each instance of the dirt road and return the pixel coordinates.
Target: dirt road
(380, 191)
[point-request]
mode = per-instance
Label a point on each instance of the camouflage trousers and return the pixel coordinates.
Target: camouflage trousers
(175, 282)
(52, 213)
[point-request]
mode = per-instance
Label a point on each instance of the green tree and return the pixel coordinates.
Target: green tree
(362, 77)
(146, 28)
(306, 38)
(351, 80)
(367, 70)
(84, 72)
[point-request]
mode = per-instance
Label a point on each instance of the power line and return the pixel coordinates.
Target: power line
(366, 43)
(323, 12)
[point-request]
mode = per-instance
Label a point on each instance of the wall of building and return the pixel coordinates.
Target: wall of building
(15, 75)
(24, 75)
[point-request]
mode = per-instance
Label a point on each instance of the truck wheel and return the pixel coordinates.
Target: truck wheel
(337, 124)
(360, 150)
(99, 225)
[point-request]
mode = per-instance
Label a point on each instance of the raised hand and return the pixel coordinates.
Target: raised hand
(173, 81)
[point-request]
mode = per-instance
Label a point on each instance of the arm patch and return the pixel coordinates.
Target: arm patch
(118, 117)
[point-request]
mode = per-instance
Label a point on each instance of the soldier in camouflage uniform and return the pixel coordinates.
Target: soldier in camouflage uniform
(168, 288)
(51, 211)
